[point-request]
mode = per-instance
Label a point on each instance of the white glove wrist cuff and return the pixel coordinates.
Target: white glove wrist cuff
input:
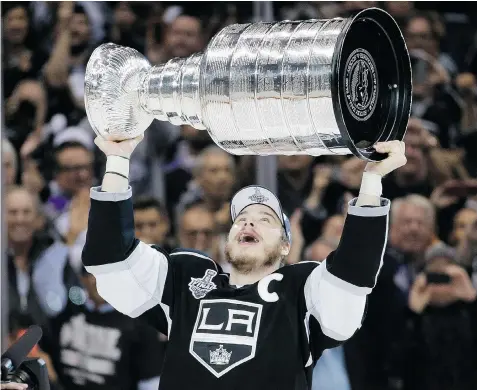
(118, 164)
(371, 184)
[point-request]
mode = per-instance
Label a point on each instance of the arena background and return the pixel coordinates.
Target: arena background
(182, 183)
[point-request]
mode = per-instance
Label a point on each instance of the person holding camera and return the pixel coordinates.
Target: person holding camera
(442, 338)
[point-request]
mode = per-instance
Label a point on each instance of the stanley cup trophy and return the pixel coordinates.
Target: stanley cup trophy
(313, 87)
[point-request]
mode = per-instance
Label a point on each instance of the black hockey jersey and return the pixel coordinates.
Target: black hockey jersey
(102, 349)
(267, 335)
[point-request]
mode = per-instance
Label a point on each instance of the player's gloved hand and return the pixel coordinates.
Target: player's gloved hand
(121, 148)
(396, 158)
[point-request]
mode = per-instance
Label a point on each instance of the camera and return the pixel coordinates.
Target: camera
(16, 367)
(32, 372)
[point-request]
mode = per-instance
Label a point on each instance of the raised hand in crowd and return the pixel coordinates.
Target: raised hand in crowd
(351, 172)
(420, 134)
(445, 195)
(79, 209)
(460, 287)
(222, 217)
(420, 294)
(321, 179)
(298, 243)
(32, 179)
(29, 91)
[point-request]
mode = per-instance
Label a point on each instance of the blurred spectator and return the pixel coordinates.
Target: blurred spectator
(467, 250)
(65, 69)
(295, 181)
(182, 36)
(414, 177)
(320, 249)
(20, 59)
(328, 240)
(434, 99)
(399, 10)
(67, 196)
(467, 86)
(442, 336)
(424, 31)
(151, 221)
(22, 62)
(178, 171)
(463, 219)
(349, 8)
(96, 347)
(73, 171)
(412, 227)
(213, 183)
(128, 28)
(44, 16)
(333, 228)
(197, 230)
(9, 162)
(30, 253)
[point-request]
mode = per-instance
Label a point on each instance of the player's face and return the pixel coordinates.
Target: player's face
(256, 239)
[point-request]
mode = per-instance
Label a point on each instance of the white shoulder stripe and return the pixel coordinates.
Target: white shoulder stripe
(195, 254)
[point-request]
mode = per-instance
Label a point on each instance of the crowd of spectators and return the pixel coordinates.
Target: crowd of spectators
(420, 332)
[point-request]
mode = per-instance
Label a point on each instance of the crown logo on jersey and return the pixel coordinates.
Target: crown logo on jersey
(220, 356)
(199, 287)
(258, 197)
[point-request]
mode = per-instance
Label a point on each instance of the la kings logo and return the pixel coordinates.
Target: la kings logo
(225, 334)
(199, 287)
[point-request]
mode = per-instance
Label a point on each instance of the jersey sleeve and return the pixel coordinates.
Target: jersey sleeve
(336, 292)
(130, 275)
(333, 295)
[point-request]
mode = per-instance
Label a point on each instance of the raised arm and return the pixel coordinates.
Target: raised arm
(130, 275)
(336, 291)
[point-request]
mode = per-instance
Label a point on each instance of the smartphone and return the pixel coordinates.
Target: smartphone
(437, 278)
(457, 188)
(420, 70)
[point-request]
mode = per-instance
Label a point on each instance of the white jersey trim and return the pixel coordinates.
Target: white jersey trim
(96, 194)
(379, 211)
(134, 285)
(336, 306)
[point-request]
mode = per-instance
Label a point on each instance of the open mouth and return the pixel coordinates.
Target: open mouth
(247, 239)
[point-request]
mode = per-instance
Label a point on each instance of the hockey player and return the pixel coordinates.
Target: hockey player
(263, 326)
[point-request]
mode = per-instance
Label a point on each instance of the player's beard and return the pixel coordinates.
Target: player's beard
(245, 264)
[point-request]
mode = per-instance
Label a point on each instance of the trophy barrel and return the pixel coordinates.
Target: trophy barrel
(313, 87)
